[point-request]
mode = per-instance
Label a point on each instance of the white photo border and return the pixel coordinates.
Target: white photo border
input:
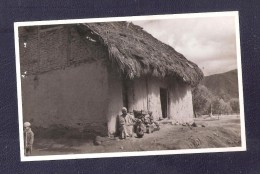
(130, 154)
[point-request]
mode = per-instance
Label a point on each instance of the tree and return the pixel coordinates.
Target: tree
(221, 107)
(216, 106)
(234, 104)
(225, 108)
(223, 95)
(202, 99)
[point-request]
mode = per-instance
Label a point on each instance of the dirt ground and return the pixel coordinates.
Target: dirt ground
(210, 132)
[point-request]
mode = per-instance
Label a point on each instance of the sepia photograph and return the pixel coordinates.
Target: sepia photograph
(129, 86)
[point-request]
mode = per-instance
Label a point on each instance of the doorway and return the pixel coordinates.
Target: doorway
(164, 102)
(125, 94)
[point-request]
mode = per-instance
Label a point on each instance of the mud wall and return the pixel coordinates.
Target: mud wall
(144, 94)
(57, 47)
(66, 81)
(154, 96)
(75, 97)
(137, 95)
(115, 101)
(181, 108)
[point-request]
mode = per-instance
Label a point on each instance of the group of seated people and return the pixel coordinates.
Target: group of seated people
(139, 123)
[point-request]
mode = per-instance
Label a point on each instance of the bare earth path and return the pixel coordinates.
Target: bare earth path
(224, 132)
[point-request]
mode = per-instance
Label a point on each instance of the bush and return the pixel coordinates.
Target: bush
(204, 100)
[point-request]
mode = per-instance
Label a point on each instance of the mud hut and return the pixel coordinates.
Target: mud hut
(80, 75)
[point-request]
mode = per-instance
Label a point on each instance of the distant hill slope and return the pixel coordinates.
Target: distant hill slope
(224, 85)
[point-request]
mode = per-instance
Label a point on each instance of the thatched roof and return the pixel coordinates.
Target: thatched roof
(136, 53)
(132, 51)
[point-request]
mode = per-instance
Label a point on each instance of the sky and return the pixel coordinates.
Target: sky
(210, 42)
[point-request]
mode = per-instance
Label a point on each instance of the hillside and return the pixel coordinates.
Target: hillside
(224, 85)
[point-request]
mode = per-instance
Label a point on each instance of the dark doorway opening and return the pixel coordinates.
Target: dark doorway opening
(125, 94)
(164, 101)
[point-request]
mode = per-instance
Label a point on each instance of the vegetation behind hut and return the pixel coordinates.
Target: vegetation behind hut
(217, 94)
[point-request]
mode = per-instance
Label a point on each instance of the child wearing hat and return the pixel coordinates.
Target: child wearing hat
(29, 138)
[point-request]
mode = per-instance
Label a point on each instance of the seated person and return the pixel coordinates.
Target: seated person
(126, 123)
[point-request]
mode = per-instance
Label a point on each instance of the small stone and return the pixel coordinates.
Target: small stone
(97, 143)
(194, 124)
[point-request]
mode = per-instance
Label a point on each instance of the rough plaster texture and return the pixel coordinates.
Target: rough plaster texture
(71, 96)
(56, 48)
(115, 101)
(154, 85)
(181, 108)
(139, 95)
(144, 94)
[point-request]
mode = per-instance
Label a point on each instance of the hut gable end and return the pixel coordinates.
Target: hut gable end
(58, 47)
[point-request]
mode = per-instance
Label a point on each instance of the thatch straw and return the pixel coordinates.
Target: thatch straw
(136, 52)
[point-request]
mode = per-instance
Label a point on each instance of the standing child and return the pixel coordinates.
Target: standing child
(28, 138)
